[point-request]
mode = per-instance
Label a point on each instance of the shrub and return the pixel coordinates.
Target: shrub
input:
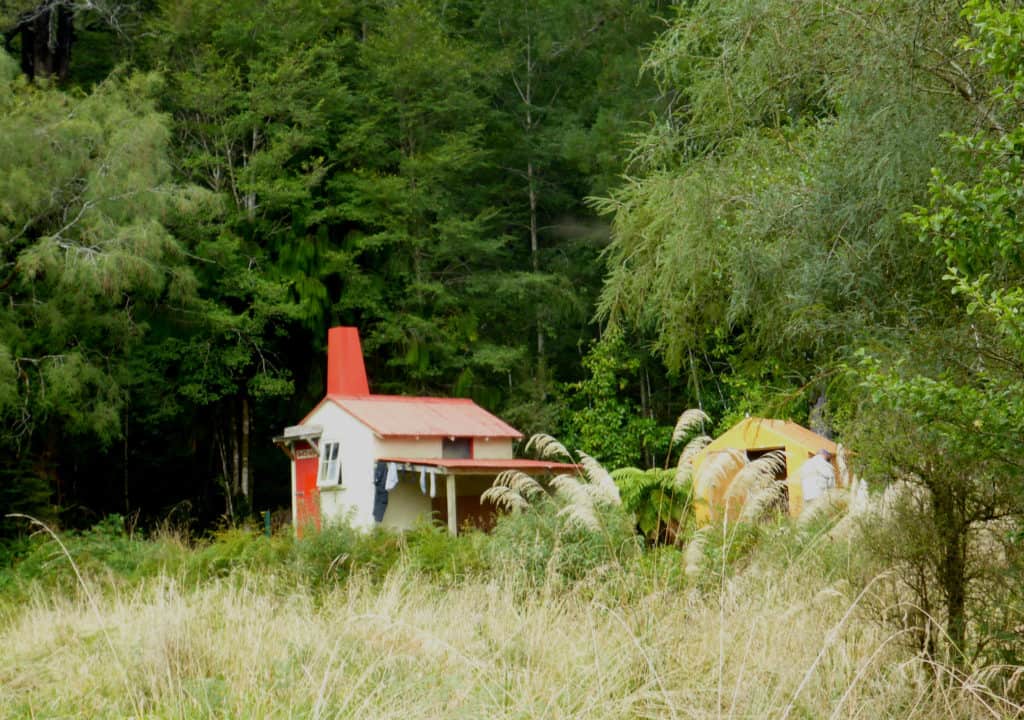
(104, 549)
(235, 549)
(544, 543)
(434, 551)
(661, 504)
(338, 550)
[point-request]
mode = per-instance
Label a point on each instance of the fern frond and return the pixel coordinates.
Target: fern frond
(629, 476)
(546, 447)
(686, 423)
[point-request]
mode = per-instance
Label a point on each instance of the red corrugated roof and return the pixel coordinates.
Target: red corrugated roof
(525, 465)
(400, 416)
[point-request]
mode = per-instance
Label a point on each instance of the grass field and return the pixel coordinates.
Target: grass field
(782, 638)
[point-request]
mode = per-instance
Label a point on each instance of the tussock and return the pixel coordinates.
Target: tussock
(514, 490)
(831, 504)
(580, 499)
(755, 488)
(755, 476)
(506, 498)
(548, 448)
(604, 488)
(845, 476)
(718, 467)
(522, 483)
(759, 502)
(253, 644)
(694, 555)
(691, 450)
(689, 421)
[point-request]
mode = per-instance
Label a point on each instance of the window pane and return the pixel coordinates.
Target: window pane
(330, 465)
(456, 448)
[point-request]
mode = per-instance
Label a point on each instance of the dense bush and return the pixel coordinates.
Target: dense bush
(662, 505)
(432, 550)
(544, 545)
(104, 549)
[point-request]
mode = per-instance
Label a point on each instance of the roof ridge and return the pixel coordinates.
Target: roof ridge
(410, 416)
(403, 398)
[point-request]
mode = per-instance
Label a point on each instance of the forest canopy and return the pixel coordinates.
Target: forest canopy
(585, 216)
(193, 192)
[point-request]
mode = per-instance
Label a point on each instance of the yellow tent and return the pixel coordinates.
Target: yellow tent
(755, 437)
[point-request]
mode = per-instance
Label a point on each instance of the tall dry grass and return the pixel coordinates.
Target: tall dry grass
(778, 641)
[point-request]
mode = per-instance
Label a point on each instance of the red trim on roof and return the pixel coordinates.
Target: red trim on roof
(487, 464)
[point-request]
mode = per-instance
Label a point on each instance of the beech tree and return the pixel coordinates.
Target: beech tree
(45, 29)
(85, 257)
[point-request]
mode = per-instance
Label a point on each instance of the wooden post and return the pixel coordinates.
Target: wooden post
(453, 521)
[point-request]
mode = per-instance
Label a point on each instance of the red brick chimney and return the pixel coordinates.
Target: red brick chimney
(346, 373)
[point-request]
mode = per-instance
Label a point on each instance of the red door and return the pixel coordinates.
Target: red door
(307, 497)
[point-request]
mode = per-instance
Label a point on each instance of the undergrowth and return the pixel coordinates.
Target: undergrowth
(542, 618)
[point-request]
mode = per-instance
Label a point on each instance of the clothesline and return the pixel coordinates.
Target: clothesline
(393, 468)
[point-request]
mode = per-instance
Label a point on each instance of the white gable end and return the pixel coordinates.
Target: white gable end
(358, 451)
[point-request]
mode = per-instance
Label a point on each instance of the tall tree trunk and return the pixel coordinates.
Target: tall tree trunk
(645, 411)
(46, 37)
(244, 470)
(952, 569)
(225, 474)
(526, 95)
(535, 264)
(235, 460)
(127, 501)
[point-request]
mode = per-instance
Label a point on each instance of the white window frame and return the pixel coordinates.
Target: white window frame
(330, 464)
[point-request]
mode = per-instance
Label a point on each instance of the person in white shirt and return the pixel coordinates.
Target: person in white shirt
(817, 476)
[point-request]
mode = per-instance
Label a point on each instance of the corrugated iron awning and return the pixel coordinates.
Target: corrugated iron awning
(469, 466)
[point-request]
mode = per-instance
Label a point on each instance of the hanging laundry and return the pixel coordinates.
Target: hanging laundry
(380, 493)
(423, 481)
(392, 480)
(433, 483)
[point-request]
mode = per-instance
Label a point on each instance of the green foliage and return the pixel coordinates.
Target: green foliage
(547, 547)
(337, 551)
(105, 549)
(760, 232)
(544, 546)
(22, 491)
(602, 417)
(663, 507)
(83, 247)
(434, 551)
(217, 181)
(952, 413)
